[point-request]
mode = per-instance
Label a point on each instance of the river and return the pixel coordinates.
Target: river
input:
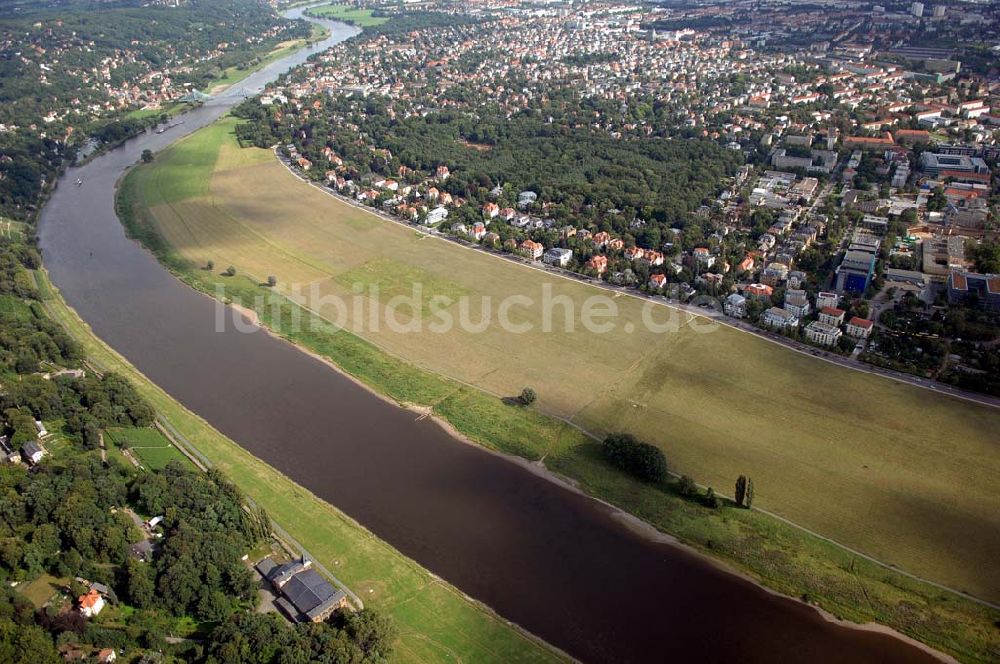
(559, 564)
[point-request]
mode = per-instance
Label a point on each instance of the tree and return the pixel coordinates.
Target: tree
(210, 265)
(741, 489)
(528, 396)
(147, 156)
(230, 271)
(373, 632)
(744, 491)
(687, 487)
(272, 281)
(140, 586)
(643, 460)
(711, 500)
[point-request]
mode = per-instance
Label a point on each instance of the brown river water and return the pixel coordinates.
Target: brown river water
(556, 563)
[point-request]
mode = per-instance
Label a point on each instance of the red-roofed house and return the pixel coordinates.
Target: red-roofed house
(911, 136)
(531, 249)
(760, 291)
(869, 143)
(832, 316)
(598, 264)
(859, 328)
(91, 604)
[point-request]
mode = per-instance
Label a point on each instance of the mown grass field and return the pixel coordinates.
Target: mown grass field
(435, 621)
(42, 589)
(895, 471)
(149, 445)
(360, 17)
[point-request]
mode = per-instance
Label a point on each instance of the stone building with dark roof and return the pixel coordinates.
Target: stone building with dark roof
(303, 594)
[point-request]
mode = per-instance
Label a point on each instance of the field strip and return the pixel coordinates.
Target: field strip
(939, 388)
(592, 436)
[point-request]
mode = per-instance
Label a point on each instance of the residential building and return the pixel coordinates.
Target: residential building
(90, 604)
(758, 291)
(598, 264)
(735, 305)
(859, 328)
(822, 333)
(558, 256)
(796, 279)
(33, 452)
(832, 316)
(774, 274)
(780, 319)
(657, 281)
(436, 216)
(703, 257)
(797, 302)
(531, 249)
(827, 299)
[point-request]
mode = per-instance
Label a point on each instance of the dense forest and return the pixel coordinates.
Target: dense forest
(72, 520)
(61, 68)
(580, 173)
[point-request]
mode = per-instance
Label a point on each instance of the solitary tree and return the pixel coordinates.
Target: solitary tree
(528, 396)
(711, 500)
(741, 489)
(147, 156)
(272, 281)
(230, 271)
(210, 265)
(748, 496)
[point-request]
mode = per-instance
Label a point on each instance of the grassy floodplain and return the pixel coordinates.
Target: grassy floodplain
(234, 75)
(360, 17)
(895, 471)
(436, 622)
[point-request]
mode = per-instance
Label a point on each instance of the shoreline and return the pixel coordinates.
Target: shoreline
(627, 520)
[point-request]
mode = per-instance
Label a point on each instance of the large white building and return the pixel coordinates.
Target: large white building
(780, 319)
(558, 256)
(821, 333)
(735, 306)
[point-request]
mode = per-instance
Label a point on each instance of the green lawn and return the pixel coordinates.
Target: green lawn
(42, 589)
(12, 307)
(149, 445)
(169, 109)
(360, 17)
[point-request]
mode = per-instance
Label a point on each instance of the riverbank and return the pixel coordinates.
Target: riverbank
(919, 466)
(362, 18)
(436, 620)
(775, 554)
(234, 75)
